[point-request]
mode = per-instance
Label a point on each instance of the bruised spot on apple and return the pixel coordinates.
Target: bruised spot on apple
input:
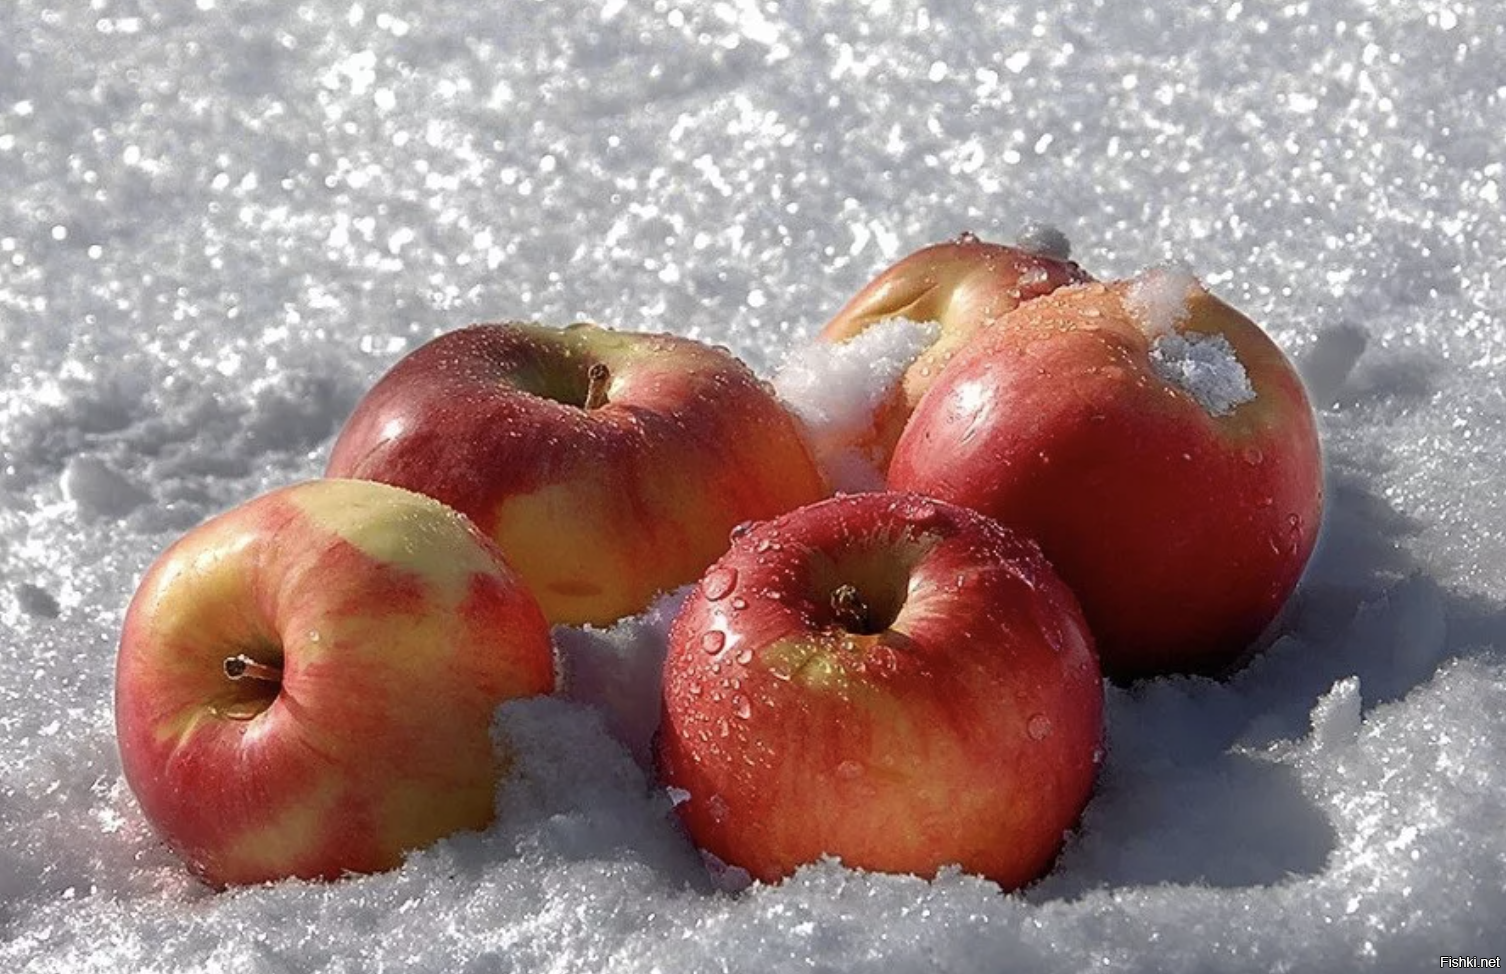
(305, 684)
(965, 286)
(610, 466)
(888, 679)
(1159, 447)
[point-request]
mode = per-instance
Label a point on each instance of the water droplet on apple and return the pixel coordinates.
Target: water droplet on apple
(741, 708)
(718, 582)
(713, 641)
(1253, 456)
(740, 529)
(723, 729)
(745, 656)
(922, 514)
(849, 770)
(1038, 727)
(1265, 502)
(717, 806)
(739, 603)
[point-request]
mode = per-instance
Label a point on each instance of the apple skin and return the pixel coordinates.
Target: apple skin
(598, 509)
(961, 725)
(1182, 532)
(964, 285)
(398, 628)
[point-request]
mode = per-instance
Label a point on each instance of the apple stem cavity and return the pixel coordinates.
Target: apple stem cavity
(851, 611)
(243, 667)
(596, 393)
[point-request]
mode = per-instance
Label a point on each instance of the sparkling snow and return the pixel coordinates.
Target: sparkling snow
(220, 222)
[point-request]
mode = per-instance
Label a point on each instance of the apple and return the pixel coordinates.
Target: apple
(964, 286)
(884, 678)
(305, 684)
(608, 465)
(1157, 444)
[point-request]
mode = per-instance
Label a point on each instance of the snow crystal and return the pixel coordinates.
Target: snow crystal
(1158, 297)
(1205, 366)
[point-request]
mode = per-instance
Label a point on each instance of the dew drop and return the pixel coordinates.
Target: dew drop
(849, 770)
(922, 514)
(1253, 456)
(723, 729)
(742, 528)
(718, 582)
(739, 603)
(745, 656)
(1039, 727)
(741, 709)
(713, 641)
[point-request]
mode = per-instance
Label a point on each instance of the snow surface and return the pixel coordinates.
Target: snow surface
(220, 222)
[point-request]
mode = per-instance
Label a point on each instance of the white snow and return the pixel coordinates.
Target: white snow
(219, 223)
(1206, 367)
(835, 389)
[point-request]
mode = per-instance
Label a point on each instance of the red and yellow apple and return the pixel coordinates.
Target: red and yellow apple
(888, 679)
(608, 465)
(964, 286)
(1155, 442)
(305, 684)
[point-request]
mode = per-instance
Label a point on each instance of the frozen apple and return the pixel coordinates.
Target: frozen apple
(963, 286)
(888, 679)
(608, 465)
(1157, 444)
(305, 684)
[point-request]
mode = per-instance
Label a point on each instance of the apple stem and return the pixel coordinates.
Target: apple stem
(243, 667)
(596, 392)
(850, 609)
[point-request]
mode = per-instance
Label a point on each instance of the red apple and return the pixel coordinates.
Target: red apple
(305, 684)
(603, 493)
(884, 678)
(1155, 442)
(964, 286)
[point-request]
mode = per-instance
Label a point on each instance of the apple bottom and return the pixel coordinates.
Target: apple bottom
(887, 792)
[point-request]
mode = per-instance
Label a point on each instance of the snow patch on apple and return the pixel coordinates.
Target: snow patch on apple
(1044, 239)
(1204, 366)
(835, 389)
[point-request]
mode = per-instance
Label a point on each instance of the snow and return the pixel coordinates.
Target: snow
(837, 388)
(1206, 367)
(219, 223)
